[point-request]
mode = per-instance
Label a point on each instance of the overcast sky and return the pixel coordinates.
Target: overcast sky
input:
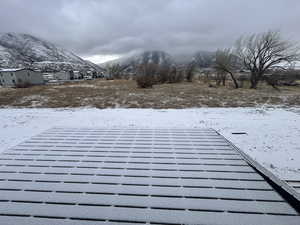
(104, 29)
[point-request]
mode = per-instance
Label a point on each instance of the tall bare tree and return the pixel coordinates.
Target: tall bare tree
(146, 75)
(261, 52)
(226, 62)
(189, 71)
(115, 71)
(204, 59)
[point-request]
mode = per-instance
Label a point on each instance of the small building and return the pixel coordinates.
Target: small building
(48, 76)
(58, 76)
(20, 77)
(77, 75)
(62, 75)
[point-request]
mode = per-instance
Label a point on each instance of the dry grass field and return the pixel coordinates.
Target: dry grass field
(125, 94)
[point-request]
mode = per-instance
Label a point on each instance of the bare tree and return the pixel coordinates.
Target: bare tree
(189, 71)
(282, 76)
(146, 75)
(260, 52)
(226, 62)
(115, 71)
(176, 75)
(220, 77)
(204, 59)
(162, 73)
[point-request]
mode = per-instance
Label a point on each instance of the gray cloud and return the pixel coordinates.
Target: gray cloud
(90, 27)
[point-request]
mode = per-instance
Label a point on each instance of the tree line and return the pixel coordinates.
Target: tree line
(256, 53)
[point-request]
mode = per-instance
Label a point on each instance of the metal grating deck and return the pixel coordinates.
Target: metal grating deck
(135, 176)
(295, 184)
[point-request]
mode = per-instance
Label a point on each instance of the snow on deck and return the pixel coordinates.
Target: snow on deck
(272, 135)
(135, 175)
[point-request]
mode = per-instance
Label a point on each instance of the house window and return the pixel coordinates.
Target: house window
(11, 74)
(28, 74)
(14, 81)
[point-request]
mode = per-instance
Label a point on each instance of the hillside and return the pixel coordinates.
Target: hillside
(156, 57)
(18, 49)
(202, 58)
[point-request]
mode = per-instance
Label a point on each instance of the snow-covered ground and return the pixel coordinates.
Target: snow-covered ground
(273, 135)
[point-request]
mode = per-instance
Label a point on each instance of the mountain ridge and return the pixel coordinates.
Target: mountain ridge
(179, 59)
(19, 49)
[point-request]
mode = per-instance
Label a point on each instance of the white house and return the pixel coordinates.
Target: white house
(57, 76)
(48, 77)
(20, 77)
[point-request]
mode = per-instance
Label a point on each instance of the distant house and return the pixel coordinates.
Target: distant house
(76, 75)
(20, 77)
(62, 75)
(48, 76)
(58, 76)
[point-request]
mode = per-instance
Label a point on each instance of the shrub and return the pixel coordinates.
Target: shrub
(23, 85)
(162, 74)
(150, 74)
(189, 71)
(115, 71)
(176, 75)
(169, 74)
(145, 81)
(146, 75)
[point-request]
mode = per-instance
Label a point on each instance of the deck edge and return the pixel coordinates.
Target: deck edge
(287, 192)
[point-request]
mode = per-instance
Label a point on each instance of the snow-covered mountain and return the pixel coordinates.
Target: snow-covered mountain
(201, 58)
(204, 59)
(156, 57)
(18, 49)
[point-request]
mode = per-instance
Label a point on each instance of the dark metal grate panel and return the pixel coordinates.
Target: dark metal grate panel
(134, 176)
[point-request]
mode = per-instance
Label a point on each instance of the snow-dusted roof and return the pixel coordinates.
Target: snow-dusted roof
(11, 69)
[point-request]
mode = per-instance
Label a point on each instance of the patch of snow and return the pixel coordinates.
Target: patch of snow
(36, 100)
(11, 70)
(272, 135)
(77, 85)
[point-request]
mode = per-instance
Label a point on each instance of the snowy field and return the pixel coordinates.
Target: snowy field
(273, 135)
